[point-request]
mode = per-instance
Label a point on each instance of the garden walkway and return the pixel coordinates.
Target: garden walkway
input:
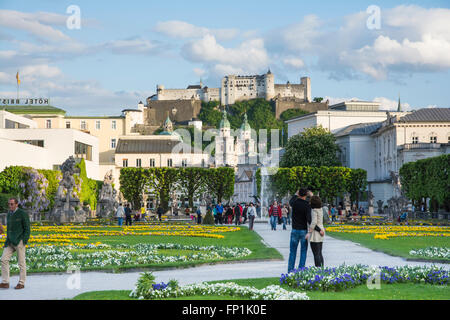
(335, 252)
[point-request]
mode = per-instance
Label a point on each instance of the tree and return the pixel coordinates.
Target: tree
(192, 182)
(313, 147)
(132, 182)
(163, 181)
(209, 113)
(318, 99)
(220, 182)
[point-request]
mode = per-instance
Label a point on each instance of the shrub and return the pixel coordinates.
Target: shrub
(209, 218)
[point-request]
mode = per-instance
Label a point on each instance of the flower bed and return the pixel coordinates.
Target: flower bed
(101, 255)
(344, 277)
(146, 289)
(66, 233)
(387, 232)
(432, 252)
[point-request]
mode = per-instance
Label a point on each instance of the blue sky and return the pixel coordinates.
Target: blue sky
(124, 49)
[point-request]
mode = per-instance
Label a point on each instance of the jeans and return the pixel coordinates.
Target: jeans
(284, 222)
(296, 237)
(128, 220)
(120, 221)
(273, 222)
(250, 222)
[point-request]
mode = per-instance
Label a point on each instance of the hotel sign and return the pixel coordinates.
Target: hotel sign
(28, 101)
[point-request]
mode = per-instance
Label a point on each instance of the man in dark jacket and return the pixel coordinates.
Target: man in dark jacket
(301, 218)
(18, 233)
(128, 215)
(160, 211)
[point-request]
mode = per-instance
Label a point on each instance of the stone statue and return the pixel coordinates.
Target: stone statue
(370, 201)
(380, 206)
(107, 203)
(346, 201)
(67, 206)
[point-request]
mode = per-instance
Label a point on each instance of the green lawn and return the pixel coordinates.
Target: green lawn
(242, 238)
(399, 246)
(401, 291)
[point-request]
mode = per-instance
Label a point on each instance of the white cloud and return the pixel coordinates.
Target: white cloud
(34, 23)
(183, 30)
(132, 46)
(294, 63)
(392, 105)
(249, 57)
(411, 39)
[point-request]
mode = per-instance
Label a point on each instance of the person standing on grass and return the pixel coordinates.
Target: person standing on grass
(18, 233)
(316, 237)
(120, 213)
(251, 211)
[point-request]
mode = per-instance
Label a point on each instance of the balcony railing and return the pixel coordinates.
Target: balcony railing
(410, 146)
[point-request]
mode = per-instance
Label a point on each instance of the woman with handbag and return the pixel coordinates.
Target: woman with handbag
(316, 237)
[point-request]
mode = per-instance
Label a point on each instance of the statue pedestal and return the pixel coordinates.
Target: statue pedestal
(371, 211)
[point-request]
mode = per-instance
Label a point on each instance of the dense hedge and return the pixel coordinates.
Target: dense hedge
(329, 181)
(219, 182)
(427, 178)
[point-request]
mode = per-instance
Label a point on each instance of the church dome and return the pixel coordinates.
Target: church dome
(224, 123)
(245, 125)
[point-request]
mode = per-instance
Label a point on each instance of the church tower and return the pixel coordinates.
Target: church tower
(224, 150)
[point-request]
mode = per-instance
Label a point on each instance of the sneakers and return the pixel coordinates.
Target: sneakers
(4, 285)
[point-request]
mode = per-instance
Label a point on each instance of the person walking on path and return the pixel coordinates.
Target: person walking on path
(237, 214)
(245, 213)
(120, 213)
(274, 214)
(333, 213)
(199, 215)
(219, 209)
(160, 212)
(127, 215)
(284, 214)
(251, 211)
(18, 233)
(301, 217)
(316, 237)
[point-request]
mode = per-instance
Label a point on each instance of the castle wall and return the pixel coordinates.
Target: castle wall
(158, 110)
(283, 104)
(290, 90)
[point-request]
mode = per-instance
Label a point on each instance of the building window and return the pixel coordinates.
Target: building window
(67, 124)
(138, 163)
(97, 124)
(169, 162)
(48, 124)
(113, 143)
(125, 163)
(415, 140)
(152, 163)
(83, 150)
(184, 163)
(433, 139)
(113, 124)
(83, 125)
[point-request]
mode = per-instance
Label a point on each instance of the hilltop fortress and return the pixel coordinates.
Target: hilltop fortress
(187, 102)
